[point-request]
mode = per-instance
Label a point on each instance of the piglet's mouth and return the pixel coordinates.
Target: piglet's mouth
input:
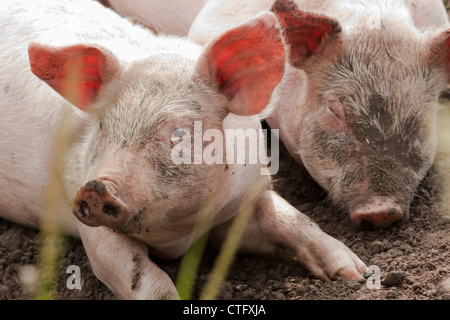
(134, 225)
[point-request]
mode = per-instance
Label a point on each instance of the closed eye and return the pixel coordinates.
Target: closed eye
(334, 111)
(335, 114)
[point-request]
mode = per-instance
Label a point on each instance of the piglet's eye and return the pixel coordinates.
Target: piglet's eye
(179, 132)
(333, 112)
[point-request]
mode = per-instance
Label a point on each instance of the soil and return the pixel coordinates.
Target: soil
(413, 258)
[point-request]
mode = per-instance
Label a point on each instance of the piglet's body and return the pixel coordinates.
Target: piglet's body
(168, 17)
(123, 94)
(358, 104)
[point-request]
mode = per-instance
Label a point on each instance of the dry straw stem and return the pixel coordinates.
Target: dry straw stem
(51, 239)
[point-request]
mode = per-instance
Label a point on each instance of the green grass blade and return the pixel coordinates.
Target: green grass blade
(189, 268)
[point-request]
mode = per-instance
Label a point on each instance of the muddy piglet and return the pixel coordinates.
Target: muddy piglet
(131, 98)
(358, 103)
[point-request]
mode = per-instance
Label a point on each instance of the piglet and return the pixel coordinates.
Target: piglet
(134, 101)
(169, 17)
(358, 103)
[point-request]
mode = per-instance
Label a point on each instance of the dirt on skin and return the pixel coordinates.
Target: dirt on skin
(413, 258)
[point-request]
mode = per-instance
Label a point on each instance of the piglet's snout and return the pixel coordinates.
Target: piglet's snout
(95, 205)
(378, 215)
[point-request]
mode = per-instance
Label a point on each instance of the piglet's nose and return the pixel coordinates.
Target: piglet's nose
(95, 206)
(378, 215)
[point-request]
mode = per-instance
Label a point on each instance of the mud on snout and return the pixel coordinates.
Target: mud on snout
(95, 204)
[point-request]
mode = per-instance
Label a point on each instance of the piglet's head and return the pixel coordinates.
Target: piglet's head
(128, 180)
(365, 124)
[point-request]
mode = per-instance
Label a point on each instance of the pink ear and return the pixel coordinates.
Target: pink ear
(447, 56)
(440, 50)
(246, 64)
(77, 72)
(303, 31)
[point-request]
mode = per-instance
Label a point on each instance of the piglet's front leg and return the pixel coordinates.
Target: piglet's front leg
(275, 222)
(122, 263)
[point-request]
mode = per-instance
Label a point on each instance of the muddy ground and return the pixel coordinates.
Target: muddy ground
(413, 258)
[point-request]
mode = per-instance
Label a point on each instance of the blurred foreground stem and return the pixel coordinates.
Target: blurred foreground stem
(51, 239)
(189, 268)
(227, 254)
